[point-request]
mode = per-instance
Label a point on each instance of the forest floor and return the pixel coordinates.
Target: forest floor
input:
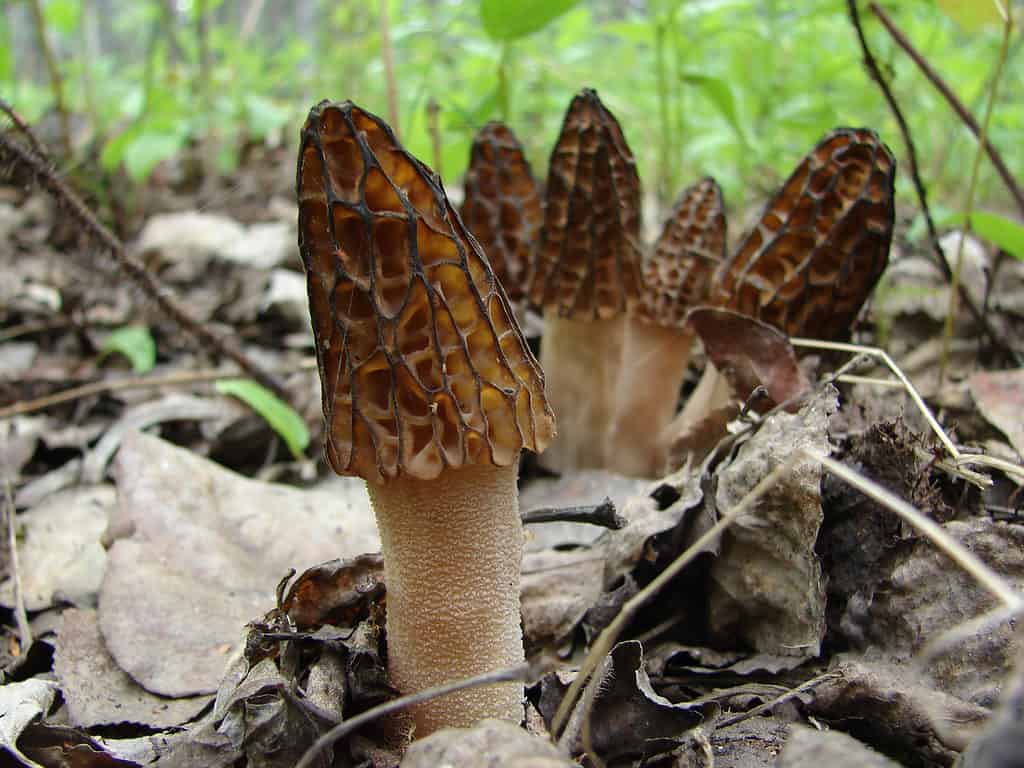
(157, 515)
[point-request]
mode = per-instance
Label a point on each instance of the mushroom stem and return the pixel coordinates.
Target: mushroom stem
(452, 554)
(712, 392)
(580, 359)
(654, 361)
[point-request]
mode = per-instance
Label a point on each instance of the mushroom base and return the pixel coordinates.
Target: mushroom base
(452, 555)
(654, 361)
(580, 359)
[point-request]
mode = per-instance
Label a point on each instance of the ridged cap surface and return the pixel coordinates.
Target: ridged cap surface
(822, 242)
(422, 364)
(587, 264)
(502, 206)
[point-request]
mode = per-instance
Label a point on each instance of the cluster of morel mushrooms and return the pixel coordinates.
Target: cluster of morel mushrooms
(430, 391)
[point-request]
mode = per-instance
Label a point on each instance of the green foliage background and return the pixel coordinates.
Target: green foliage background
(739, 89)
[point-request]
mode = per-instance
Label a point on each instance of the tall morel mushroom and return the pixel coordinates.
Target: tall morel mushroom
(815, 254)
(429, 393)
(502, 206)
(586, 275)
(656, 351)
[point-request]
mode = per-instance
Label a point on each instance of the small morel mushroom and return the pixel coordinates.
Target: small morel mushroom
(585, 276)
(430, 393)
(656, 351)
(502, 205)
(814, 256)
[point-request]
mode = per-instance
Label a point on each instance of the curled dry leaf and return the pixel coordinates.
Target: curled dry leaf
(338, 592)
(821, 243)
(587, 264)
(502, 206)
(421, 361)
(749, 354)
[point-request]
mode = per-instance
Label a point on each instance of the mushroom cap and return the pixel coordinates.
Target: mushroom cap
(821, 243)
(422, 364)
(587, 263)
(691, 247)
(502, 205)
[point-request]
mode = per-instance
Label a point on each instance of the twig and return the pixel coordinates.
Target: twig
(134, 268)
(922, 195)
(611, 633)
(947, 336)
(24, 629)
(25, 129)
(120, 385)
(388, 54)
(56, 81)
(959, 554)
(603, 514)
(808, 685)
(520, 672)
(951, 98)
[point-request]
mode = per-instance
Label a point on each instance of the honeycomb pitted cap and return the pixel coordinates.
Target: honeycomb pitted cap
(501, 206)
(821, 243)
(587, 263)
(678, 273)
(422, 364)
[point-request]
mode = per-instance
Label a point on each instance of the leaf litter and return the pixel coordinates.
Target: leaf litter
(170, 638)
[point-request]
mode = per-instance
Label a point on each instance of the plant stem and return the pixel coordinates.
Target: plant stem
(954, 102)
(388, 54)
(433, 108)
(665, 147)
(56, 80)
(947, 334)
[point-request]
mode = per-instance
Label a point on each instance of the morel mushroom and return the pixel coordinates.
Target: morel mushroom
(657, 347)
(814, 256)
(429, 393)
(502, 205)
(585, 276)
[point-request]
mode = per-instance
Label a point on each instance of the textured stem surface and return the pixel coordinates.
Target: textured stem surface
(580, 359)
(452, 553)
(654, 361)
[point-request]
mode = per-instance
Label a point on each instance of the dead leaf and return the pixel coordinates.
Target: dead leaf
(21, 704)
(557, 590)
(489, 744)
(60, 553)
(97, 692)
(202, 563)
(1000, 398)
(812, 748)
(749, 353)
(338, 592)
(767, 590)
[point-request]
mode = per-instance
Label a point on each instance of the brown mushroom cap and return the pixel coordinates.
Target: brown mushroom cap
(587, 264)
(822, 242)
(421, 361)
(691, 247)
(502, 204)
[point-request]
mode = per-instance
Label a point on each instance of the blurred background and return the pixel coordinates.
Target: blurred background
(146, 92)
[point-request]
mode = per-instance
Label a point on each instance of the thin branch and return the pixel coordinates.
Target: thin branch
(951, 98)
(606, 640)
(120, 385)
(603, 514)
(931, 530)
(433, 126)
(25, 129)
(922, 195)
(12, 152)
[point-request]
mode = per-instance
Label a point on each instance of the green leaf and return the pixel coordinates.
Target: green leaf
(719, 92)
(62, 15)
(281, 417)
(971, 15)
(506, 20)
(134, 342)
(143, 153)
(1008, 235)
